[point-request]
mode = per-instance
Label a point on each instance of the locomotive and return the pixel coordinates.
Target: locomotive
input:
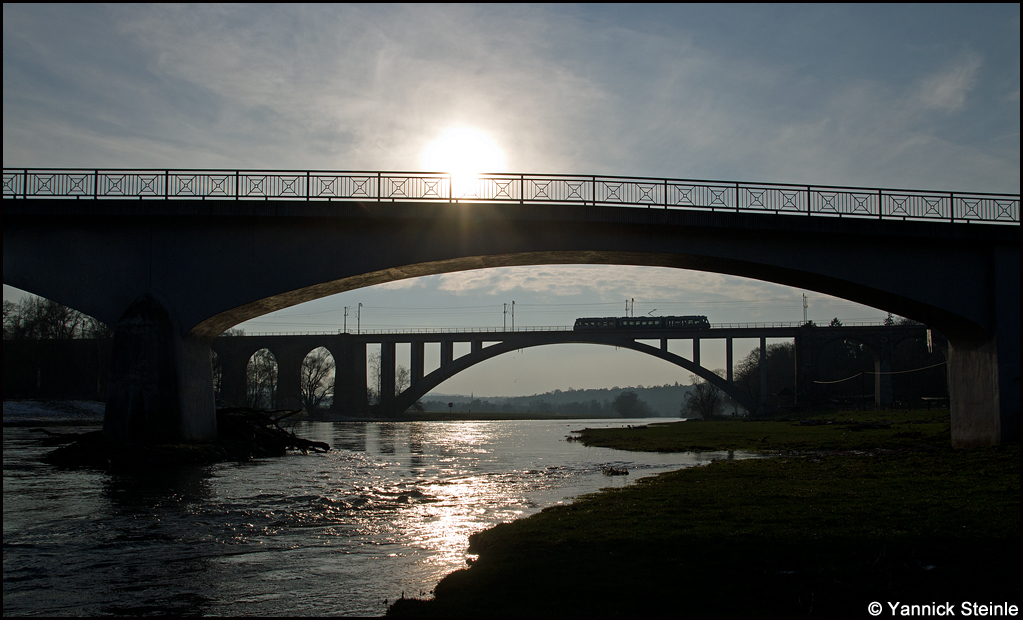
(643, 322)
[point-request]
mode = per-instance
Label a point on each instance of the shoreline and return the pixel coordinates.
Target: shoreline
(441, 416)
(27, 412)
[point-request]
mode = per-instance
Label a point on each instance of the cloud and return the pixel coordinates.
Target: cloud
(948, 89)
(609, 283)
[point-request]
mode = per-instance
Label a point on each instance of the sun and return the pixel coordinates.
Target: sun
(465, 153)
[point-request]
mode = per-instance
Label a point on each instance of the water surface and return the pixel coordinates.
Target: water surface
(388, 511)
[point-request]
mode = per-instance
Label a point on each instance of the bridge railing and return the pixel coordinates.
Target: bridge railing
(419, 330)
(540, 328)
(812, 200)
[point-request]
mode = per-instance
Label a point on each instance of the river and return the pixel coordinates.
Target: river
(387, 512)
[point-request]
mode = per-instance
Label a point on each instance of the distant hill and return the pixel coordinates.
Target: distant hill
(665, 400)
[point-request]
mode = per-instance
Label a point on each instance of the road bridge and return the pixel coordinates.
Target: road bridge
(171, 259)
(349, 352)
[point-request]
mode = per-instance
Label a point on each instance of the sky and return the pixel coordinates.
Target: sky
(899, 96)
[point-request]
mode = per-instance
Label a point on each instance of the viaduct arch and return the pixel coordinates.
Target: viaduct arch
(420, 388)
(170, 275)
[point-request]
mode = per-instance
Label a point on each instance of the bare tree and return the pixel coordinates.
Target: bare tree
(402, 380)
(704, 400)
(261, 380)
(11, 318)
(747, 374)
(373, 390)
(317, 378)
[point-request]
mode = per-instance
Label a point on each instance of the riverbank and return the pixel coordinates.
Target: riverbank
(825, 532)
(842, 431)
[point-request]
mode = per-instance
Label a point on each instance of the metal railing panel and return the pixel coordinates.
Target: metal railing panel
(843, 202)
(201, 184)
(702, 195)
(991, 209)
(557, 189)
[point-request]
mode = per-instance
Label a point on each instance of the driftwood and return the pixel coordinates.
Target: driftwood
(262, 431)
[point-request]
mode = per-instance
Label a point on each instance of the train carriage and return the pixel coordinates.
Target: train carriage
(642, 322)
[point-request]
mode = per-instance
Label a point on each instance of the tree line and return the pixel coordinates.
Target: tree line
(37, 318)
(626, 404)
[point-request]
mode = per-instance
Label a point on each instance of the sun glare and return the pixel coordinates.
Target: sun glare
(465, 152)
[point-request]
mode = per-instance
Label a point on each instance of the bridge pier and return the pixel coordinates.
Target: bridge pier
(232, 379)
(983, 370)
(160, 388)
(350, 378)
(418, 361)
(728, 361)
(289, 377)
(978, 415)
(387, 361)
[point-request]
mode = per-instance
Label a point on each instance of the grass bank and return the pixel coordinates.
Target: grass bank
(820, 534)
(891, 430)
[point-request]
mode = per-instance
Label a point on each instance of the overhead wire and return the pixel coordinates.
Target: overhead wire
(891, 372)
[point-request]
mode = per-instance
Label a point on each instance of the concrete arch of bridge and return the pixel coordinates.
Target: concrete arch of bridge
(176, 274)
(898, 300)
(422, 386)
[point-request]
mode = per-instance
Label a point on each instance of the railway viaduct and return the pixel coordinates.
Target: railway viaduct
(349, 352)
(171, 259)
